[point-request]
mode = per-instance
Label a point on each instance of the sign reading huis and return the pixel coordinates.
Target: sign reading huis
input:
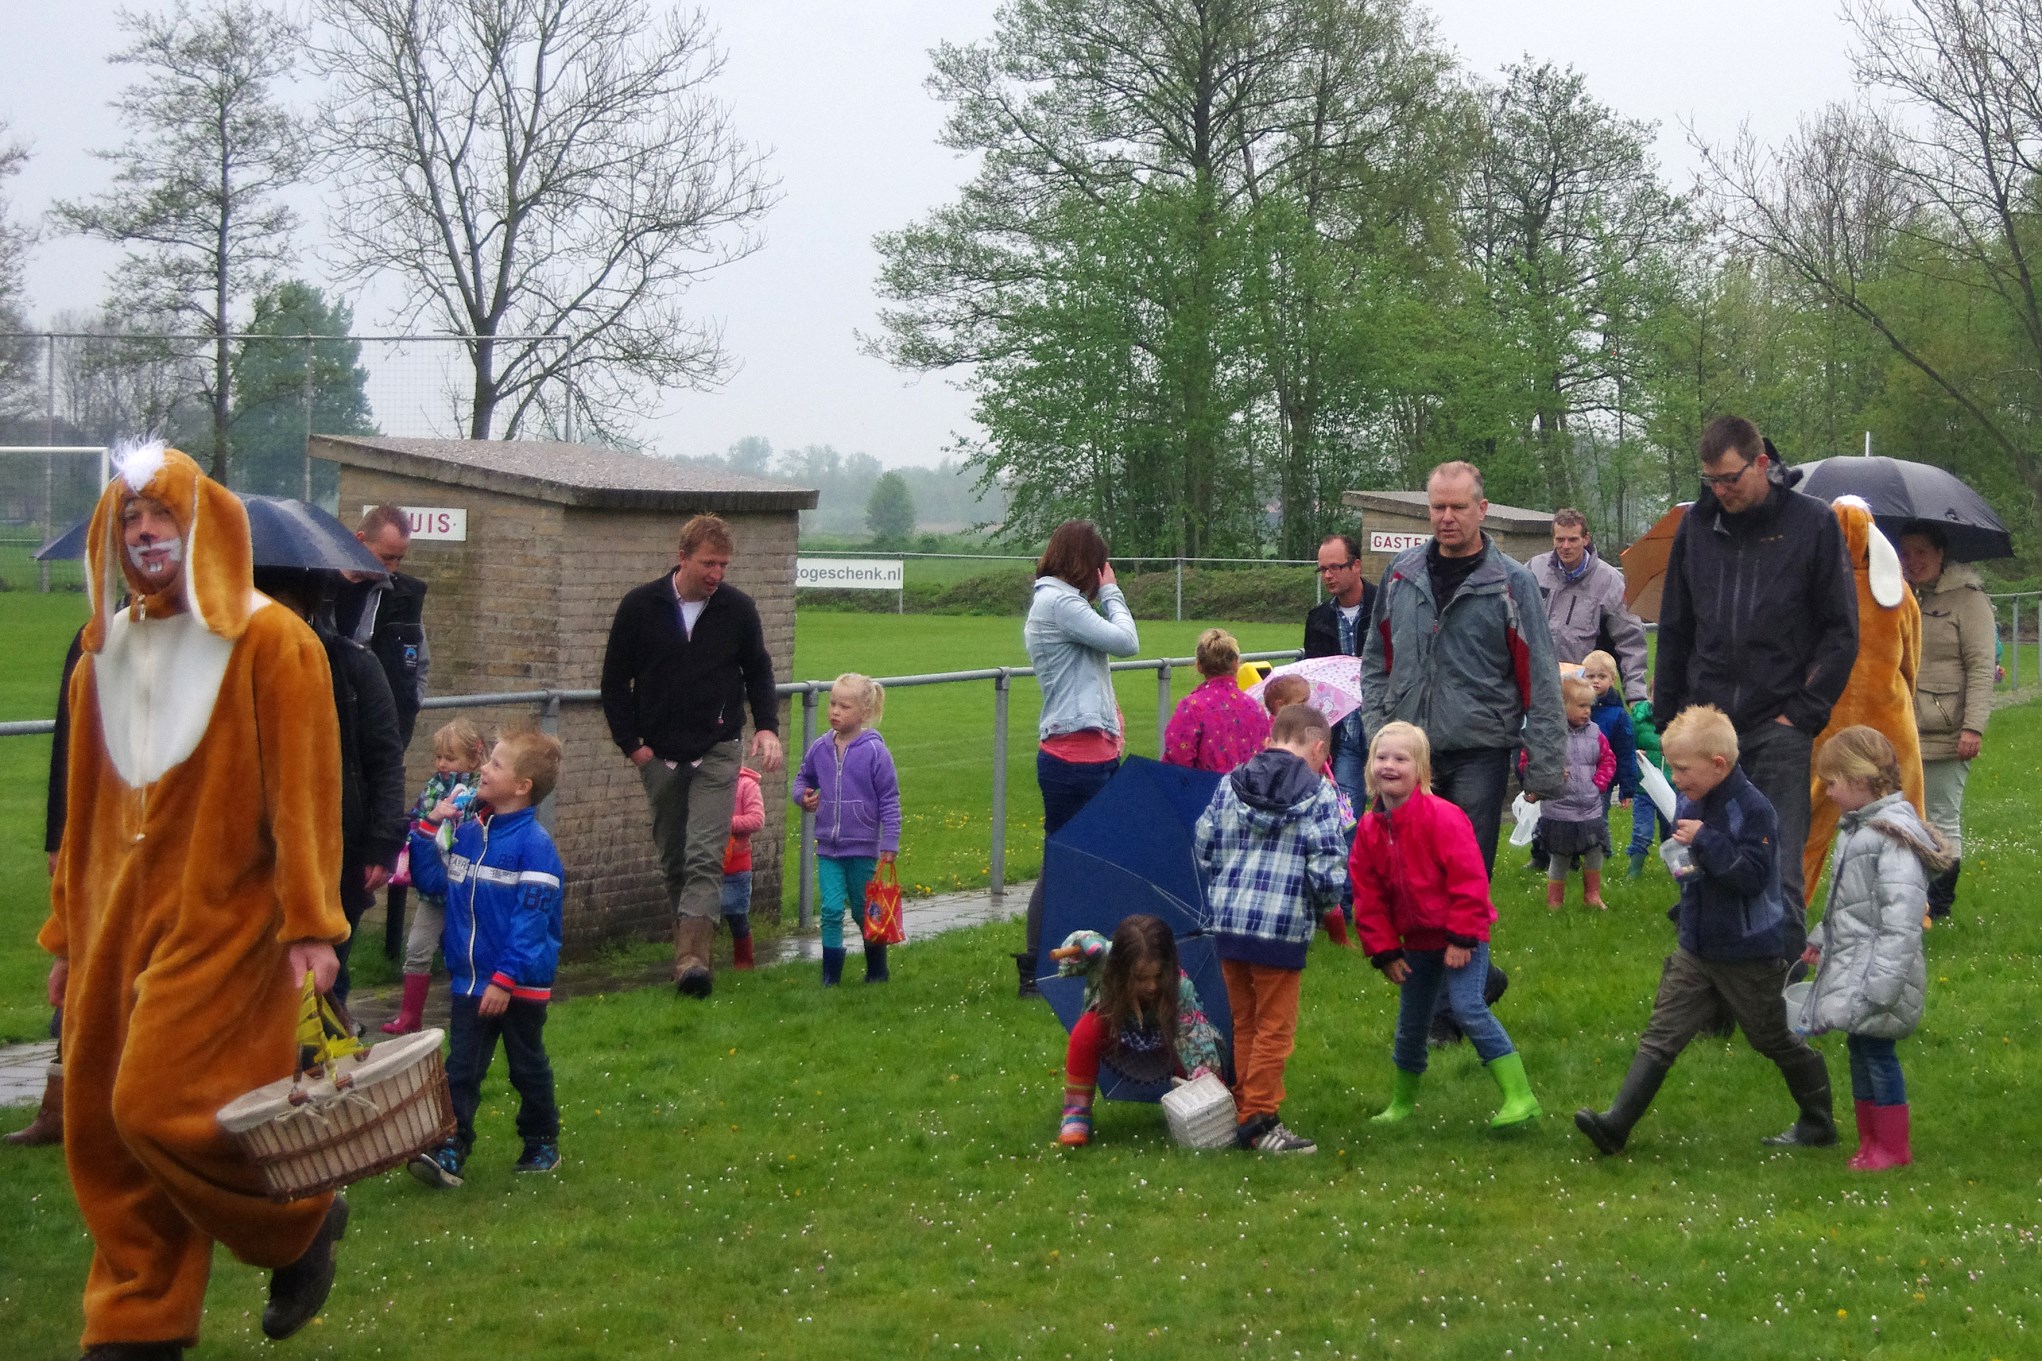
(849, 574)
(449, 523)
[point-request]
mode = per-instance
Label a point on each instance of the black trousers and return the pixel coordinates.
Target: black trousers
(473, 1048)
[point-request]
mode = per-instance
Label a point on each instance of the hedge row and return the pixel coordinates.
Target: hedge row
(1266, 595)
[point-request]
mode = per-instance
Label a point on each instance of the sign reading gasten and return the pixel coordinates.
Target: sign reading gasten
(849, 574)
(435, 522)
(1381, 541)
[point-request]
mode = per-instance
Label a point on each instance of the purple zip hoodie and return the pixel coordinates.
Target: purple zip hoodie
(860, 810)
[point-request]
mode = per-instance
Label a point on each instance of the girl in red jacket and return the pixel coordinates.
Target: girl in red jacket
(1421, 904)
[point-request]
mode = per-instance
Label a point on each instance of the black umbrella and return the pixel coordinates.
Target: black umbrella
(1898, 490)
(281, 532)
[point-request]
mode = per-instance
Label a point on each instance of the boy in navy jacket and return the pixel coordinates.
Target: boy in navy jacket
(1732, 918)
(501, 881)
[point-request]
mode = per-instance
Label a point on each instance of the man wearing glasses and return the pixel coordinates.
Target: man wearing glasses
(1760, 619)
(1336, 627)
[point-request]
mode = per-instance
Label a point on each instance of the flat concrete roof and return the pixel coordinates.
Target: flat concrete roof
(1507, 519)
(584, 475)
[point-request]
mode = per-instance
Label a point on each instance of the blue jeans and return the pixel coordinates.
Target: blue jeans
(1463, 990)
(1875, 1071)
(1648, 828)
(840, 882)
(472, 1048)
(1475, 782)
(1350, 767)
(1067, 786)
(737, 903)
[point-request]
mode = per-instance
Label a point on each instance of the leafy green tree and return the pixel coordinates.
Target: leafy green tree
(197, 184)
(890, 511)
(281, 379)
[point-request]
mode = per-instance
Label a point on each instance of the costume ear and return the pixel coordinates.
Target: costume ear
(219, 570)
(1883, 568)
(103, 578)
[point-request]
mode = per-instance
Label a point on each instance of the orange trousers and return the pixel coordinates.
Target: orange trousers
(1264, 1000)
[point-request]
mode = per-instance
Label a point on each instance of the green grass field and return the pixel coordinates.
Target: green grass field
(788, 1172)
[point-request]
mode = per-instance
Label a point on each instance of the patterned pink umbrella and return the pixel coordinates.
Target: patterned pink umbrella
(1335, 682)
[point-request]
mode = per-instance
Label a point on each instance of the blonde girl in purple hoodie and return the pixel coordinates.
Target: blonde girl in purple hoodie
(847, 780)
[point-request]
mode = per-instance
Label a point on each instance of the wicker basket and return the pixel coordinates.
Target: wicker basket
(1201, 1113)
(375, 1111)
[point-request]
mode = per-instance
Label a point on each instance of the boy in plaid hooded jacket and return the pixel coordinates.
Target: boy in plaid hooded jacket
(1274, 850)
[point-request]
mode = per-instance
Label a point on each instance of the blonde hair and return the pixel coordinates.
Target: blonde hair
(1219, 653)
(532, 755)
(1280, 692)
(1862, 754)
(855, 683)
(1414, 738)
(1606, 664)
(1299, 723)
(1701, 730)
(459, 741)
(1574, 690)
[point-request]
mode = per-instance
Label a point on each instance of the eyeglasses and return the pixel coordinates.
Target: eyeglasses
(1326, 567)
(1715, 480)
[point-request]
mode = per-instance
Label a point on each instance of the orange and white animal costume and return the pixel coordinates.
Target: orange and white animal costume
(1880, 692)
(202, 840)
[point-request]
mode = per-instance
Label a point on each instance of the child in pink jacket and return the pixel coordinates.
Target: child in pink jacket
(747, 816)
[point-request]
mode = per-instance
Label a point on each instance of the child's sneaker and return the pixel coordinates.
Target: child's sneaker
(540, 1155)
(1277, 1139)
(440, 1167)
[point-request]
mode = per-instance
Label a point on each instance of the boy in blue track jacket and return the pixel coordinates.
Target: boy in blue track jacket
(501, 881)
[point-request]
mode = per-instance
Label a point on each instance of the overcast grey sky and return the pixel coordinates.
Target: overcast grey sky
(835, 89)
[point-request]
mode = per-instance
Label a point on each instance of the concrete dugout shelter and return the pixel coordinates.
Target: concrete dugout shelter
(527, 546)
(1392, 521)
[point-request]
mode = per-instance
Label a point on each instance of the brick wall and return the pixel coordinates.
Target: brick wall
(526, 603)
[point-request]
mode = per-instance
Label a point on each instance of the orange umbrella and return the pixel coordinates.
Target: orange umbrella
(1645, 564)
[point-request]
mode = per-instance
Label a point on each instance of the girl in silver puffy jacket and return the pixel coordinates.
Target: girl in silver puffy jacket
(1870, 972)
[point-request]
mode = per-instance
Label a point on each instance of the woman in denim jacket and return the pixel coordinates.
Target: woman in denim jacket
(1078, 619)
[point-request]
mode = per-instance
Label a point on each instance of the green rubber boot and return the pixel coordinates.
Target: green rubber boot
(1520, 1107)
(1403, 1099)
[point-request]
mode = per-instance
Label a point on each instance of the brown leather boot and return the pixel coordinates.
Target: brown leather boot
(48, 1125)
(692, 974)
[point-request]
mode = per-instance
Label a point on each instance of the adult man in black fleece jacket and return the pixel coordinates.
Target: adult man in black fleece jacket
(1760, 619)
(686, 655)
(1339, 625)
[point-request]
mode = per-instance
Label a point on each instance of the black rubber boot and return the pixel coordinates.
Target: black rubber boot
(298, 1292)
(1943, 890)
(1808, 1083)
(1610, 1130)
(1024, 965)
(875, 963)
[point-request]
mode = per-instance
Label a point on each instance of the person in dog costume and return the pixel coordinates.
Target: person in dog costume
(1880, 691)
(196, 885)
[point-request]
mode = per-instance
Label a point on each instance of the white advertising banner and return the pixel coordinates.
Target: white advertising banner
(850, 574)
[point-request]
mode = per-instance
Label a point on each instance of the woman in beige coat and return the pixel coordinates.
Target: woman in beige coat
(1953, 692)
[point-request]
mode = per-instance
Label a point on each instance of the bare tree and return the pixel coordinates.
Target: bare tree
(543, 167)
(194, 195)
(17, 358)
(1939, 185)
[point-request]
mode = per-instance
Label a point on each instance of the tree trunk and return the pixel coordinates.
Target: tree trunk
(485, 393)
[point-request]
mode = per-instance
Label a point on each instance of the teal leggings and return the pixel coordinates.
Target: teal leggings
(840, 881)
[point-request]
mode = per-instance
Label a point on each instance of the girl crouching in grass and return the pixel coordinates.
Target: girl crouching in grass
(1142, 1015)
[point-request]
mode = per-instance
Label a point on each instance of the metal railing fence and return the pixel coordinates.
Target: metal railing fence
(550, 702)
(1123, 565)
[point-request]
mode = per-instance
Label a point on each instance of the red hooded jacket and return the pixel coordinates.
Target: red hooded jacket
(747, 816)
(1418, 879)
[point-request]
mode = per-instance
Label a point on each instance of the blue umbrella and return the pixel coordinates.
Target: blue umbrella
(1129, 851)
(282, 533)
